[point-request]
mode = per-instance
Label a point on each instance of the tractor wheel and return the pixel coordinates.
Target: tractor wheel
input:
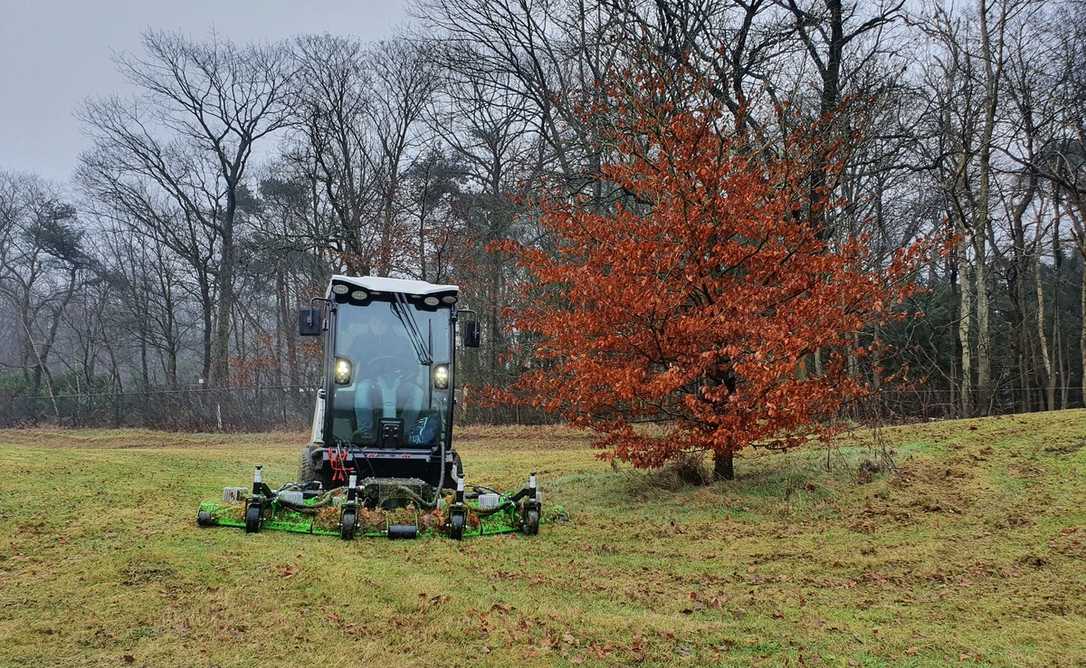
(252, 519)
(204, 519)
(346, 525)
(307, 471)
(456, 526)
(530, 525)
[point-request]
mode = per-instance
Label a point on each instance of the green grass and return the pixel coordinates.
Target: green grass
(973, 552)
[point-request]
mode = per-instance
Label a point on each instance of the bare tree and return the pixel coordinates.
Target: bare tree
(335, 145)
(44, 264)
(190, 137)
(405, 80)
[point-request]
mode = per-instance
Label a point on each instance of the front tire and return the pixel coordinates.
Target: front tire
(307, 470)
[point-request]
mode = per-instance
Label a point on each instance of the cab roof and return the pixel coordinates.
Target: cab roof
(404, 286)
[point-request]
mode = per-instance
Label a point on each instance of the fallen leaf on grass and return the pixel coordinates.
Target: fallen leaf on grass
(286, 570)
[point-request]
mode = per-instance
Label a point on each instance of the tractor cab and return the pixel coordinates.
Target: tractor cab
(385, 409)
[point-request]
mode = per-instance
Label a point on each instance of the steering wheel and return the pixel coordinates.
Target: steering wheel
(392, 368)
(386, 365)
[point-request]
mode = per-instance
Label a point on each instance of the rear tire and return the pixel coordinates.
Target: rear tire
(307, 470)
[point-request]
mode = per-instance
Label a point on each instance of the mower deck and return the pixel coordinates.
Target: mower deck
(393, 508)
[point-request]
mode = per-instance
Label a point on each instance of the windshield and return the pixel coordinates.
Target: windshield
(395, 350)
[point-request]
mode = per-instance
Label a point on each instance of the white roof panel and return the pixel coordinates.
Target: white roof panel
(402, 285)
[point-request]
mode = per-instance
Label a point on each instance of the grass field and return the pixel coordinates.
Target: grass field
(974, 552)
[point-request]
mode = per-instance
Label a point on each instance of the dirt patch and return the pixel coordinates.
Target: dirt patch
(1066, 448)
(137, 574)
(1070, 542)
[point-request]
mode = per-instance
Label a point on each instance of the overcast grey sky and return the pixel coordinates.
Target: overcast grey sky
(55, 54)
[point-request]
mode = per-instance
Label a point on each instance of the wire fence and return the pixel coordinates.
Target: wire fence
(264, 408)
(290, 407)
(925, 403)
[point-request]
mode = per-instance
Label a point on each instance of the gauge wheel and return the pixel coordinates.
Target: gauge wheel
(204, 519)
(252, 519)
(456, 526)
(530, 526)
(347, 525)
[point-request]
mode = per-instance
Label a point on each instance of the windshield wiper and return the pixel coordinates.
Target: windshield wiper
(402, 309)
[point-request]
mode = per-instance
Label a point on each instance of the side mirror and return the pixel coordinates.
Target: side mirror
(310, 322)
(471, 334)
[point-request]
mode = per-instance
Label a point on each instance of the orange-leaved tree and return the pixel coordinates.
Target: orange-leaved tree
(694, 299)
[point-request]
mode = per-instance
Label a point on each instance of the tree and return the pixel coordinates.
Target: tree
(335, 145)
(691, 303)
(487, 128)
(188, 141)
(43, 266)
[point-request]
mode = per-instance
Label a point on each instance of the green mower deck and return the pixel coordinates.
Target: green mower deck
(360, 509)
(282, 519)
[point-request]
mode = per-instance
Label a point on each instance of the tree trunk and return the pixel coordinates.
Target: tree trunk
(1023, 342)
(206, 309)
(1042, 338)
(965, 313)
(220, 354)
(282, 326)
(1082, 333)
(145, 371)
(984, 341)
(724, 465)
(992, 75)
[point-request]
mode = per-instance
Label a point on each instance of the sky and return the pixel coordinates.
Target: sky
(55, 54)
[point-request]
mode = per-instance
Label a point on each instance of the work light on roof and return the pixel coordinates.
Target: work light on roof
(359, 295)
(340, 289)
(449, 299)
(431, 301)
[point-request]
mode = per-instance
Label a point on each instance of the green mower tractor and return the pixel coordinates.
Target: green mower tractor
(381, 460)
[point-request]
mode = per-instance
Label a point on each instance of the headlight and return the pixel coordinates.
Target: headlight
(441, 376)
(342, 371)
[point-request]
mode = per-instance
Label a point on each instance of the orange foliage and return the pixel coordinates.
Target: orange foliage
(694, 301)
